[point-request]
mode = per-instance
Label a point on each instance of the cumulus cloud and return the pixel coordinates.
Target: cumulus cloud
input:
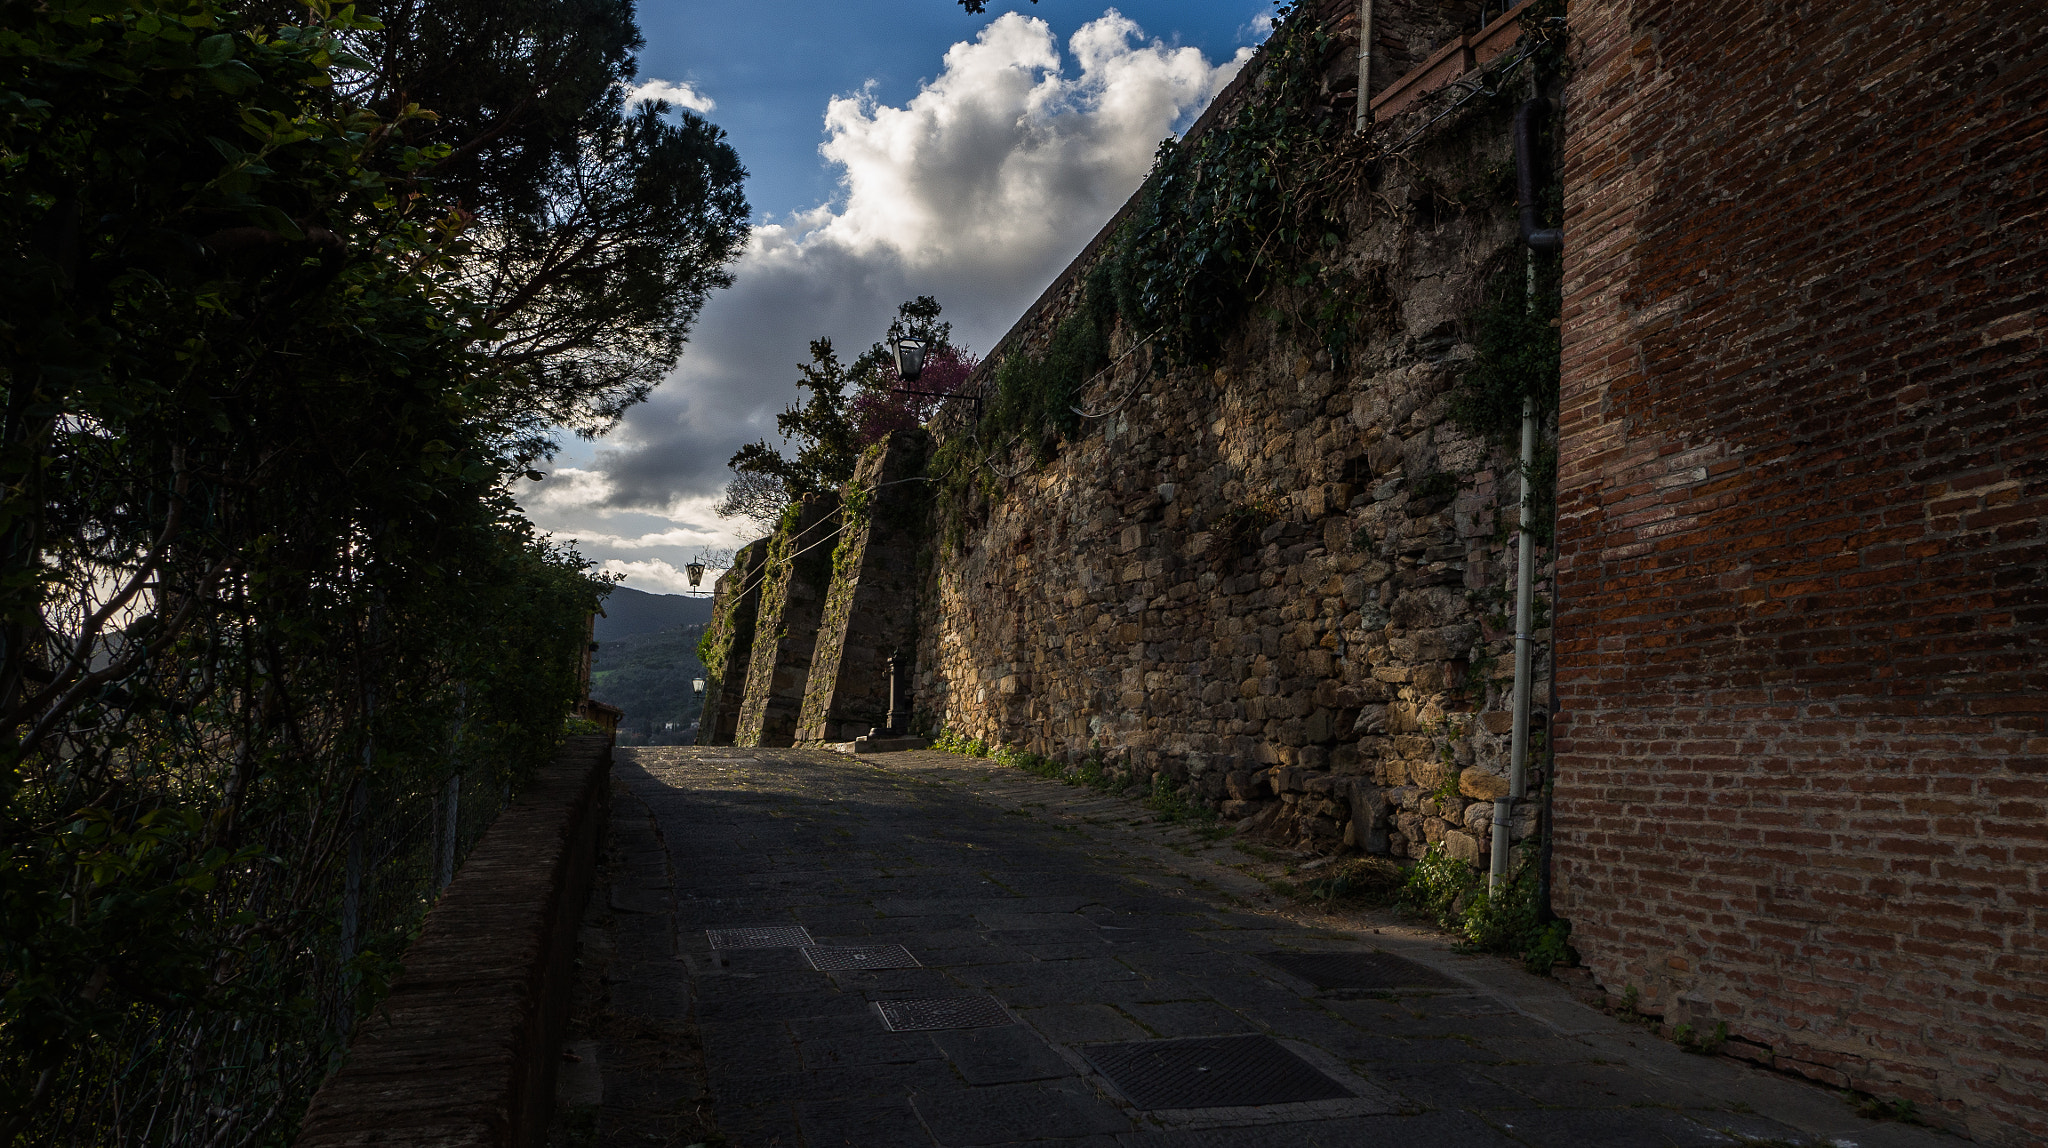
(978, 190)
(682, 95)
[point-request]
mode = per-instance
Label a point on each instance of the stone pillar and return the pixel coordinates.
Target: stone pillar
(735, 605)
(799, 571)
(871, 609)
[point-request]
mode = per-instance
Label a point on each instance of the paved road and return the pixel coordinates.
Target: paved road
(1129, 988)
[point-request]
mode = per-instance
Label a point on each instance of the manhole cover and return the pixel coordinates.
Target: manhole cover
(866, 957)
(1360, 971)
(1211, 1072)
(765, 937)
(942, 1012)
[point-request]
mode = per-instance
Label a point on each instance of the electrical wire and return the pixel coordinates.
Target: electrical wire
(763, 575)
(1132, 350)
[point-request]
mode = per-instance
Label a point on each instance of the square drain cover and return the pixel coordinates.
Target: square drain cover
(1360, 971)
(933, 1013)
(1212, 1072)
(865, 957)
(765, 937)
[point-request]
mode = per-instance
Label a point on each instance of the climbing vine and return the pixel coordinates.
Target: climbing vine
(1255, 210)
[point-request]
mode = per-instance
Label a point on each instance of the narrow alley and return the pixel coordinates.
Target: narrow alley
(921, 948)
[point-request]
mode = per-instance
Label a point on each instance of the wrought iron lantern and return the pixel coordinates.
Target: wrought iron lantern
(697, 686)
(696, 572)
(909, 358)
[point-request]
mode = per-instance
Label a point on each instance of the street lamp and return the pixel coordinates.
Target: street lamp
(909, 358)
(696, 571)
(697, 687)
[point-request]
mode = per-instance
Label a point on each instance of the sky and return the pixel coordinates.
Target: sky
(895, 148)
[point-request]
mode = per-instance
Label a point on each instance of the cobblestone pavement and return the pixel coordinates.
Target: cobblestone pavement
(1093, 949)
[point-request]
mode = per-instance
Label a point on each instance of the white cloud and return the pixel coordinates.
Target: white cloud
(656, 576)
(1260, 27)
(1007, 162)
(978, 190)
(682, 95)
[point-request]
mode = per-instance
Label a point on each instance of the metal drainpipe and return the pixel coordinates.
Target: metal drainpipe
(1535, 239)
(1364, 65)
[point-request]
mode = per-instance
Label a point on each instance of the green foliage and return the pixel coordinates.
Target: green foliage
(1874, 1108)
(1508, 920)
(1035, 395)
(648, 676)
(1254, 210)
(1176, 803)
(951, 742)
(827, 445)
(263, 588)
(1437, 887)
(1517, 343)
(1689, 1039)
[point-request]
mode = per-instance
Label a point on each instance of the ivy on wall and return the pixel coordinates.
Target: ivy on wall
(1254, 217)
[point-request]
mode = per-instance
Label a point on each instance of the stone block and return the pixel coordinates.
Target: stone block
(1482, 785)
(1461, 846)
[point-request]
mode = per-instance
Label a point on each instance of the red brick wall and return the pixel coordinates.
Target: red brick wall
(1803, 777)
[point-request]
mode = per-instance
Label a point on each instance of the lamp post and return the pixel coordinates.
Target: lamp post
(695, 570)
(697, 687)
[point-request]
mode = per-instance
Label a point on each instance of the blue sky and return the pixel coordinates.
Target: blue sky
(896, 148)
(771, 67)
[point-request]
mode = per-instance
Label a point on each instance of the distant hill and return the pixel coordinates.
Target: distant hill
(648, 676)
(628, 612)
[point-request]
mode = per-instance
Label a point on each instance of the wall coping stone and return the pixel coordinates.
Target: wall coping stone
(463, 1051)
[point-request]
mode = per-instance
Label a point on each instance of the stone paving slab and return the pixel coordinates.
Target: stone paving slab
(1092, 924)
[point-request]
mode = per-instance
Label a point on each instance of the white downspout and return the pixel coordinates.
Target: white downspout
(1525, 602)
(1364, 65)
(1525, 564)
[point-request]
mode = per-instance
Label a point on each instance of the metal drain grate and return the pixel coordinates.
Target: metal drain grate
(932, 1013)
(763, 937)
(1212, 1072)
(1363, 971)
(863, 957)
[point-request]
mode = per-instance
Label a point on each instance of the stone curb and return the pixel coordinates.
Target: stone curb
(462, 1052)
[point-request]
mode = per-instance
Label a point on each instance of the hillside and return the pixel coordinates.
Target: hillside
(628, 612)
(646, 655)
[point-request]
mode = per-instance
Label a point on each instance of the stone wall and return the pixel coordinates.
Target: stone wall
(735, 608)
(797, 572)
(1801, 786)
(870, 611)
(1276, 579)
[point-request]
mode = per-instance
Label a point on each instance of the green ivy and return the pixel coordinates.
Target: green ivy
(1254, 210)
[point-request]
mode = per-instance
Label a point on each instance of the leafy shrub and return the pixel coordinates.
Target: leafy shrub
(1507, 920)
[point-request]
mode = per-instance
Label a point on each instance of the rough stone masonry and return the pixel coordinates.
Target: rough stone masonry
(1801, 562)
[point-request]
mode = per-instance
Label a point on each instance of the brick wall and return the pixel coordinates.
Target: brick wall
(1803, 779)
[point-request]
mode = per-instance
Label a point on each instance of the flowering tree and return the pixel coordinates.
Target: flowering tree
(831, 428)
(878, 411)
